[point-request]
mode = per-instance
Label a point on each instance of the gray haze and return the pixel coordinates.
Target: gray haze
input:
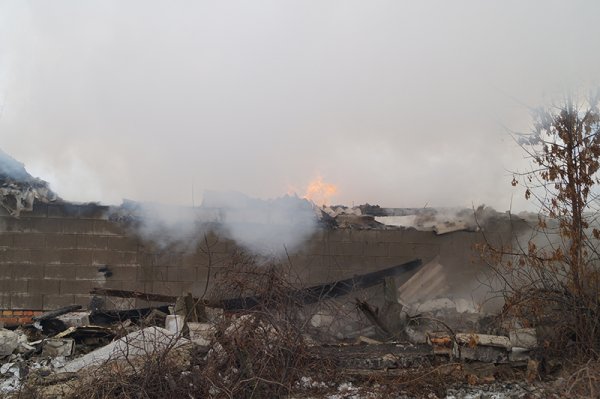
(398, 103)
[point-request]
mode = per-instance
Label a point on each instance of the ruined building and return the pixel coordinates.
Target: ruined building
(54, 253)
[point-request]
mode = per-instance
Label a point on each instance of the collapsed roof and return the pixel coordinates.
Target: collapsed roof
(18, 189)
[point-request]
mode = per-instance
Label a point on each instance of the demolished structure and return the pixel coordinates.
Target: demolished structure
(141, 284)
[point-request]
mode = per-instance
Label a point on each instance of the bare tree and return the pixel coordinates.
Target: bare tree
(553, 279)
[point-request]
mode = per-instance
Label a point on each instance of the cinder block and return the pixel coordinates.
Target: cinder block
(76, 256)
(47, 255)
(63, 210)
(83, 300)
(86, 272)
(61, 241)
(193, 259)
(26, 301)
(129, 258)
(351, 264)
(138, 286)
(175, 288)
(28, 272)
(123, 273)
(75, 287)
(106, 227)
(373, 249)
(114, 258)
(13, 286)
(109, 284)
(298, 261)
(40, 210)
(170, 259)
(339, 235)
(401, 249)
(30, 240)
(6, 271)
(43, 225)
(75, 319)
(43, 286)
(363, 235)
(181, 274)
(78, 226)
(5, 300)
(91, 241)
(312, 247)
(93, 211)
(7, 239)
(394, 235)
(345, 248)
(17, 255)
(10, 224)
(121, 243)
(427, 252)
(157, 273)
(60, 272)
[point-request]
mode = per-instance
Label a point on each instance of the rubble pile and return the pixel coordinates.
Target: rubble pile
(61, 348)
(18, 189)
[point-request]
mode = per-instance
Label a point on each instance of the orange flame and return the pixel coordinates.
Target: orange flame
(320, 192)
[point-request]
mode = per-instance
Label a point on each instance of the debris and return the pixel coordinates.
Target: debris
(106, 317)
(175, 324)
(368, 341)
(488, 354)
(75, 319)
(18, 189)
(483, 340)
(143, 342)
(202, 334)
(133, 294)
(58, 347)
(155, 317)
(92, 336)
(55, 313)
(308, 295)
(523, 338)
(533, 370)
(9, 341)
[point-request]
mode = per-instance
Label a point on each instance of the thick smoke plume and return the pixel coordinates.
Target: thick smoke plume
(268, 228)
(402, 104)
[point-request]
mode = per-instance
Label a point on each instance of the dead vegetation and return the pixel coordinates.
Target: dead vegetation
(550, 280)
(260, 352)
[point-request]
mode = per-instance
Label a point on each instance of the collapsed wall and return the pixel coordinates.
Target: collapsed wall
(55, 254)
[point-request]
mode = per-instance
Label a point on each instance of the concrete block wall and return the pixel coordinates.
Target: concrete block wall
(54, 255)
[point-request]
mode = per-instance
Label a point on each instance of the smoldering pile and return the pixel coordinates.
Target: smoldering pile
(18, 189)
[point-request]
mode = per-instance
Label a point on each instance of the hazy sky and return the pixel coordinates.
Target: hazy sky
(398, 103)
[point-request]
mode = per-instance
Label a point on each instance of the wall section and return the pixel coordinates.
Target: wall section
(53, 256)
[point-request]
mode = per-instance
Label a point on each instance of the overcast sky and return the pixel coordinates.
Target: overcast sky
(398, 103)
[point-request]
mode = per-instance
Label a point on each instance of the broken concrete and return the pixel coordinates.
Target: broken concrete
(148, 341)
(75, 319)
(202, 334)
(524, 338)
(55, 347)
(9, 341)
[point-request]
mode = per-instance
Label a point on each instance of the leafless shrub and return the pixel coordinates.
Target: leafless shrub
(551, 280)
(261, 351)
(583, 382)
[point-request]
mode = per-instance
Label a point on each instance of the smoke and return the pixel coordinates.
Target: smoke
(268, 228)
(402, 104)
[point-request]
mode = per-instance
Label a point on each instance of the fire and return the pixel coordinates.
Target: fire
(320, 192)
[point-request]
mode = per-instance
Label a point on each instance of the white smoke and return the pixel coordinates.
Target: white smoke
(268, 228)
